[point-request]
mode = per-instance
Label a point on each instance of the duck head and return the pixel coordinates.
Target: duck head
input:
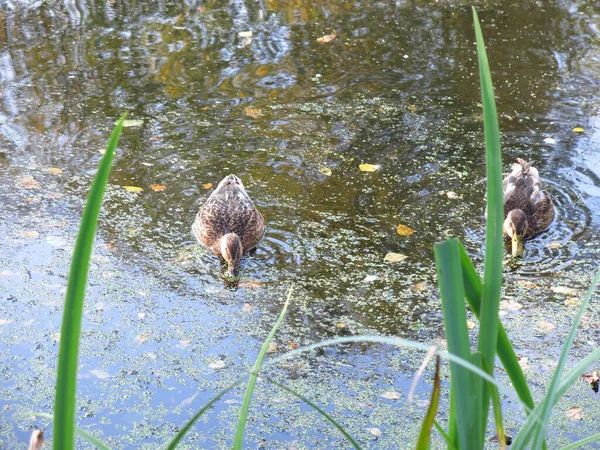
(515, 226)
(232, 251)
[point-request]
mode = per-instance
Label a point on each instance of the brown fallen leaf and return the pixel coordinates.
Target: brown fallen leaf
(528, 284)
(55, 170)
(54, 195)
(419, 287)
(327, 38)
(412, 108)
(572, 301)
(575, 413)
(394, 257)
(157, 187)
(255, 113)
(247, 307)
(207, 185)
(564, 290)
(404, 230)
(293, 345)
(250, 284)
(28, 182)
(553, 245)
(32, 234)
(272, 348)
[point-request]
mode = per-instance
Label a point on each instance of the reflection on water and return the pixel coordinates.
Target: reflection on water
(245, 87)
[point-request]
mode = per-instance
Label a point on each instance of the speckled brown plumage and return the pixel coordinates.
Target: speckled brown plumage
(524, 190)
(228, 210)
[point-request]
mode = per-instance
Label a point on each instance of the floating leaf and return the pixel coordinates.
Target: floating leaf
(510, 305)
(141, 338)
(31, 234)
(394, 257)
(272, 348)
(255, 113)
(549, 140)
(101, 374)
(370, 278)
(325, 171)
(157, 187)
(217, 365)
(553, 245)
(250, 284)
(28, 182)
(575, 413)
(207, 185)
(578, 130)
(564, 290)
(375, 432)
(293, 345)
(412, 108)
(591, 379)
(572, 301)
(327, 38)
(369, 167)
(133, 189)
(247, 307)
(470, 324)
(391, 395)
(55, 170)
(419, 287)
(404, 230)
(132, 123)
(245, 34)
(451, 194)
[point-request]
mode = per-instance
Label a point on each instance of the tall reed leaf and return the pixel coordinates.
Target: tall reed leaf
(492, 276)
(535, 425)
(238, 439)
(423, 443)
(66, 380)
(449, 273)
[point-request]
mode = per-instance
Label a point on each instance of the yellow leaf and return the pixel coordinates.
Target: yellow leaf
(578, 130)
(31, 234)
(133, 189)
(255, 113)
(404, 230)
(470, 324)
(394, 257)
(55, 170)
(325, 171)
(207, 185)
(553, 245)
(327, 38)
(369, 167)
(157, 187)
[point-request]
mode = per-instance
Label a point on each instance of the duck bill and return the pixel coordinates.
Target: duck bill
(232, 270)
(517, 246)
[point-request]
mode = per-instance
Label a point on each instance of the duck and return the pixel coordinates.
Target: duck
(528, 207)
(229, 223)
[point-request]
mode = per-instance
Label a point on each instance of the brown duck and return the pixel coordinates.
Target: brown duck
(528, 208)
(229, 224)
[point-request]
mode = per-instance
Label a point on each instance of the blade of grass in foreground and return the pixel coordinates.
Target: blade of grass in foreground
(492, 276)
(425, 433)
(450, 282)
(66, 379)
(536, 429)
(238, 439)
(473, 289)
(82, 434)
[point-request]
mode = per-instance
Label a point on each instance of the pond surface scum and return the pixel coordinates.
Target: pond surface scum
(293, 108)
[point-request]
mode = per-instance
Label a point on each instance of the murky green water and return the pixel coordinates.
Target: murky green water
(397, 87)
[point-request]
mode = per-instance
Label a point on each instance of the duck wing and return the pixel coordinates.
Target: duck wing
(229, 209)
(523, 189)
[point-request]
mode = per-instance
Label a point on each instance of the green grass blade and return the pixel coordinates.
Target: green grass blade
(440, 430)
(424, 435)
(66, 380)
(535, 427)
(449, 272)
(492, 276)
(180, 435)
(81, 433)
(582, 442)
(497, 408)
(316, 408)
(504, 349)
(238, 439)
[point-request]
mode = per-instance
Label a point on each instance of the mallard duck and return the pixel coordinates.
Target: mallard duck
(528, 208)
(229, 224)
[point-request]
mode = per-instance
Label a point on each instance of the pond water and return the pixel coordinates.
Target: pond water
(398, 87)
